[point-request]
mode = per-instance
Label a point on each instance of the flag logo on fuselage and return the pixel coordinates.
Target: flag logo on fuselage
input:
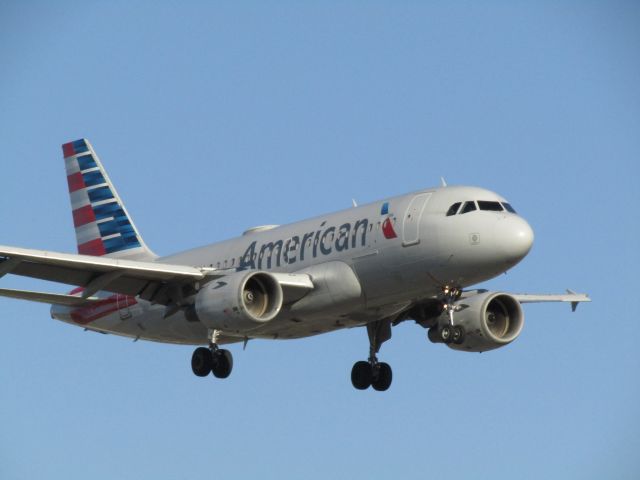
(387, 222)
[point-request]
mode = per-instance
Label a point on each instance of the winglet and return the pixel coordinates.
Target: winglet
(443, 182)
(574, 305)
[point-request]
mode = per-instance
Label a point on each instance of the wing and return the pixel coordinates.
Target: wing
(154, 281)
(162, 283)
(50, 298)
(570, 297)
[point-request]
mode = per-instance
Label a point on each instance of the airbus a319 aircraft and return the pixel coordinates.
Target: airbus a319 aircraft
(408, 257)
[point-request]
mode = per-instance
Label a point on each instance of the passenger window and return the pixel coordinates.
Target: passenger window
(468, 207)
(490, 206)
(508, 207)
(453, 209)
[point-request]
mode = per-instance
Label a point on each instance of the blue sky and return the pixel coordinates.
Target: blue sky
(212, 117)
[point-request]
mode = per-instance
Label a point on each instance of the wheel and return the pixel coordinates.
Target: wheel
(201, 361)
(383, 377)
(361, 375)
(458, 335)
(222, 363)
(446, 333)
(433, 334)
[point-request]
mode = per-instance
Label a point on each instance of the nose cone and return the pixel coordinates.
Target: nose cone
(514, 237)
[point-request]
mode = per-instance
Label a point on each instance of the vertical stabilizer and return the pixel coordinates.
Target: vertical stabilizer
(103, 226)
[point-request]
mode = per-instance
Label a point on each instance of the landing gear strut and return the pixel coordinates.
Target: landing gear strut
(373, 373)
(449, 333)
(213, 359)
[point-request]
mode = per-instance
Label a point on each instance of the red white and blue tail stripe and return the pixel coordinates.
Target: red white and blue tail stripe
(103, 226)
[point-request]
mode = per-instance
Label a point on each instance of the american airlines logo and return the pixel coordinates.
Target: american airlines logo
(321, 242)
(387, 223)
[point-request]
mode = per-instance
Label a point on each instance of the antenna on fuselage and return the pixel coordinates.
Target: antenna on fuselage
(443, 182)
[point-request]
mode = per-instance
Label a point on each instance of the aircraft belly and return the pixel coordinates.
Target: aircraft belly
(141, 321)
(298, 328)
(289, 326)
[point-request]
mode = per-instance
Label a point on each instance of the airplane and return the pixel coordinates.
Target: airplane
(409, 257)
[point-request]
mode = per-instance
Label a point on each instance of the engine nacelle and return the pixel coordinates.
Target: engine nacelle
(490, 320)
(239, 302)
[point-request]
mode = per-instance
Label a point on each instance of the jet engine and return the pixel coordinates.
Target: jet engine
(239, 302)
(489, 320)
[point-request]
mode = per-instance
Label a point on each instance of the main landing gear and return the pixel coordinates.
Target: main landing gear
(448, 333)
(373, 373)
(212, 360)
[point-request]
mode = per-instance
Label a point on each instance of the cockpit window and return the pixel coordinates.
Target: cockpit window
(491, 206)
(468, 207)
(453, 209)
(508, 207)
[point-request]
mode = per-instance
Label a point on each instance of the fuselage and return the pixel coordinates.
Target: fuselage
(401, 250)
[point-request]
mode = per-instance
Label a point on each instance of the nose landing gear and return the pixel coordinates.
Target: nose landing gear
(373, 373)
(449, 333)
(212, 360)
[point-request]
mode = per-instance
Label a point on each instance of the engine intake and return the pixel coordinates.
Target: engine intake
(503, 318)
(239, 302)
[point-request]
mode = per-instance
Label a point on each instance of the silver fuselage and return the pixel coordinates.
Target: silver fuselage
(402, 250)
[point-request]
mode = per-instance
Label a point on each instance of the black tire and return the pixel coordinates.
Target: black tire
(383, 377)
(361, 375)
(446, 334)
(201, 361)
(433, 334)
(222, 363)
(458, 335)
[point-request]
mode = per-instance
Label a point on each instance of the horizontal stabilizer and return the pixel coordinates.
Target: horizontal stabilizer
(51, 298)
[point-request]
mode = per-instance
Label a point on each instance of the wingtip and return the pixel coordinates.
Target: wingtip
(574, 305)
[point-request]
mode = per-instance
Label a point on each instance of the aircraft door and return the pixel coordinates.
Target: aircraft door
(411, 221)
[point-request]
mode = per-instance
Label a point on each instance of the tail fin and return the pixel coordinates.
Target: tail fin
(103, 226)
